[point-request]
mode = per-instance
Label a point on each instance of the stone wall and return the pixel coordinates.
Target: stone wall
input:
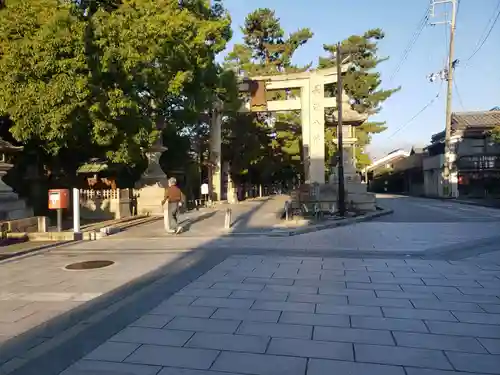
(30, 224)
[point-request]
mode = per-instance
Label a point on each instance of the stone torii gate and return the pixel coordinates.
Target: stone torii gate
(312, 103)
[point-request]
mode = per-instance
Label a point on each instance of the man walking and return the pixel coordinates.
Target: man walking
(174, 198)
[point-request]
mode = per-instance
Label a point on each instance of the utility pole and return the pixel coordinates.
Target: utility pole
(340, 143)
(449, 95)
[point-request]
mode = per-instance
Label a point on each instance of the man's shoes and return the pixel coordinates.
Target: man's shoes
(178, 230)
(171, 231)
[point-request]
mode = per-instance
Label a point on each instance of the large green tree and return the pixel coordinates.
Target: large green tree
(362, 82)
(95, 78)
(268, 50)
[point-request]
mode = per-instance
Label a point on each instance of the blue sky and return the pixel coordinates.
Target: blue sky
(478, 81)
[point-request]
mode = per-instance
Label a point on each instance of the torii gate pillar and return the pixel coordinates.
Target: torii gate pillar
(215, 182)
(313, 128)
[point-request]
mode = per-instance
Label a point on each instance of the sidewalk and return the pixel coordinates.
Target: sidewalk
(266, 315)
(250, 217)
(328, 293)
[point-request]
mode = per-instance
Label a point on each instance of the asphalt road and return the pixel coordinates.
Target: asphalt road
(423, 210)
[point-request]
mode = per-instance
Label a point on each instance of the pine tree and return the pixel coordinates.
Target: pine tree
(362, 83)
(267, 50)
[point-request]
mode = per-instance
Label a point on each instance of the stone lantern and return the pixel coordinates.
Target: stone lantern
(151, 186)
(11, 207)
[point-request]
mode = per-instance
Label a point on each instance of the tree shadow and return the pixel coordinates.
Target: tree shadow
(187, 223)
(242, 221)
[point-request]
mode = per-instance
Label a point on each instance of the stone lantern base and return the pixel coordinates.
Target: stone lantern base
(11, 207)
(356, 195)
(150, 189)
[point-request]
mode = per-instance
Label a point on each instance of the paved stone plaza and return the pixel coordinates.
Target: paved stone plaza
(298, 315)
(415, 293)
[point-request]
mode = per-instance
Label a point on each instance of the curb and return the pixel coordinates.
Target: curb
(9, 257)
(103, 233)
(472, 203)
(454, 200)
(339, 223)
(464, 249)
(117, 228)
(315, 228)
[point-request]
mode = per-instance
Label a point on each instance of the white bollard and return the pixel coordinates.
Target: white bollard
(287, 210)
(227, 219)
(76, 210)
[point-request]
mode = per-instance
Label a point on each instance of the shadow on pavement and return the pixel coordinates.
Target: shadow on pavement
(187, 223)
(55, 345)
(242, 221)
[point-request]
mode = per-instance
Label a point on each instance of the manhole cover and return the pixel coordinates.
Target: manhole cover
(89, 265)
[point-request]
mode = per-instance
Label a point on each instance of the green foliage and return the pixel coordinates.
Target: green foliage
(495, 134)
(245, 141)
(361, 82)
(97, 77)
(44, 76)
(266, 51)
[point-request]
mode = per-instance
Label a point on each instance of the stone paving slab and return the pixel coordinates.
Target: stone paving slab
(34, 290)
(207, 328)
(40, 301)
(374, 237)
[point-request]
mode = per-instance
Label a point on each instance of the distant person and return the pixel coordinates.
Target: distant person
(173, 199)
(204, 193)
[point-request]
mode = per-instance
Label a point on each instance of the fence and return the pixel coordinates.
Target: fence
(106, 204)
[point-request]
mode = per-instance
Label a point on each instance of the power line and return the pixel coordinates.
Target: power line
(458, 94)
(420, 27)
(417, 114)
(487, 31)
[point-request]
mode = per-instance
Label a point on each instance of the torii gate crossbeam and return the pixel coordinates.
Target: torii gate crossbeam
(312, 104)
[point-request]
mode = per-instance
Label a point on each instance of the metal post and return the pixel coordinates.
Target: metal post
(340, 143)
(449, 95)
(448, 75)
(59, 219)
(227, 219)
(76, 210)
